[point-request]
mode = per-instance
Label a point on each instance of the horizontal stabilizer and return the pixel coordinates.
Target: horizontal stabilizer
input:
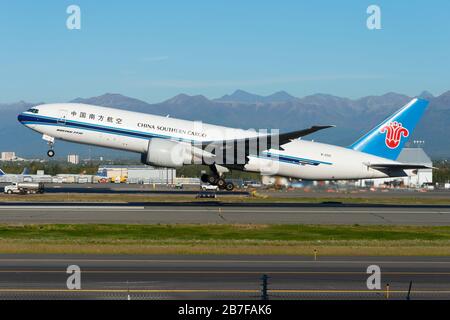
(398, 166)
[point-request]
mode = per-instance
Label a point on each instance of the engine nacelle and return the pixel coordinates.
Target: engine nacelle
(166, 153)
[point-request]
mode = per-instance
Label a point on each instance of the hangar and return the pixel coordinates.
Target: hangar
(139, 174)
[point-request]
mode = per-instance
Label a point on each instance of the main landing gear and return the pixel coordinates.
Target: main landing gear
(216, 180)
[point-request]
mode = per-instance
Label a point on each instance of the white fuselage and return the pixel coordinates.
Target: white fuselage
(131, 131)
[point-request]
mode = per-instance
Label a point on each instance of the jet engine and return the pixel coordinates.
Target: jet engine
(166, 153)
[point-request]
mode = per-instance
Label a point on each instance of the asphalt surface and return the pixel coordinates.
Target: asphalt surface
(221, 277)
(112, 188)
(156, 192)
(331, 192)
(222, 213)
(283, 193)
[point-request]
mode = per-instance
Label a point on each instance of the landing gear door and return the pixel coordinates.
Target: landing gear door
(62, 117)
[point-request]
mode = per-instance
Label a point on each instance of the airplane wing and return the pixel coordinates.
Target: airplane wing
(283, 138)
(255, 145)
(398, 166)
(286, 137)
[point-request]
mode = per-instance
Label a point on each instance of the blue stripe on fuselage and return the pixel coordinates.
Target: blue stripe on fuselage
(291, 159)
(50, 121)
(43, 120)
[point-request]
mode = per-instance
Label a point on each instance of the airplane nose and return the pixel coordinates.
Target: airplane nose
(21, 118)
(24, 119)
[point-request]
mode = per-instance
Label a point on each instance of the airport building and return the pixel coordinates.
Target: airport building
(73, 158)
(138, 174)
(408, 155)
(8, 156)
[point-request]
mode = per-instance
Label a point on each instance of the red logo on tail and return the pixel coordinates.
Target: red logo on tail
(394, 132)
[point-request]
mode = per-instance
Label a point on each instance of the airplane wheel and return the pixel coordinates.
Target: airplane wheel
(221, 184)
(51, 153)
(204, 178)
(212, 180)
(229, 186)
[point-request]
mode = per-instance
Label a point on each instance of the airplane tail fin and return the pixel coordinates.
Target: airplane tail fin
(102, 173)
(25, 171)
(388, 138)
(2, 173)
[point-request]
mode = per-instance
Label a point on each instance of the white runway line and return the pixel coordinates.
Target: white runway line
(69, 208)
(223, 210)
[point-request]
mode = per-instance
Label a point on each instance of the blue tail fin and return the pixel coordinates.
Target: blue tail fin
(2, 173)
(25, 171)
(102, 172)
(388, 138)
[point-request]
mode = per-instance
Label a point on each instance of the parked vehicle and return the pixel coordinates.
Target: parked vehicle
(252, 184)
(179, 186)
(209, 187)
(119, 179)
(24, 188)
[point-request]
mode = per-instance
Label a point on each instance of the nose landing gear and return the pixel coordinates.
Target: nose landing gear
(51, 153)
(50, 141)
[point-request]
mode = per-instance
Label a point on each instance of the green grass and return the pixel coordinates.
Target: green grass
(92, 232)
(225, 239)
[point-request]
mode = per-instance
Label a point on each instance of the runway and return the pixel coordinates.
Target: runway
(221, 277)
(192, 190)
(226, 213)
(136, 190)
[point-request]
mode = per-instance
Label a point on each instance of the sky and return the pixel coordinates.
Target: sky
(153, 50)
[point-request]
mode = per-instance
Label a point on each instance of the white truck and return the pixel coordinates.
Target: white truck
(24, 188)
(209, 187)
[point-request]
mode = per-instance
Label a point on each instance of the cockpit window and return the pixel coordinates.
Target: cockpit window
(33, 110)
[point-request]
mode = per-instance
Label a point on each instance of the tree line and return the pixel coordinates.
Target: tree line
(440, 175)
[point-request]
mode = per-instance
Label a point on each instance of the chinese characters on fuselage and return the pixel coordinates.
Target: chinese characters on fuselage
(98, 117)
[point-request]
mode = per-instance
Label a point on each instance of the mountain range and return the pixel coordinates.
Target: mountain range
(242, 109)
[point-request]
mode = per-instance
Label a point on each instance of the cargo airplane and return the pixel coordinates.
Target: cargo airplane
(167, 142)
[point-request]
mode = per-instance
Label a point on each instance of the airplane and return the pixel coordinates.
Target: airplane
(13, 177)
(168, 142)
